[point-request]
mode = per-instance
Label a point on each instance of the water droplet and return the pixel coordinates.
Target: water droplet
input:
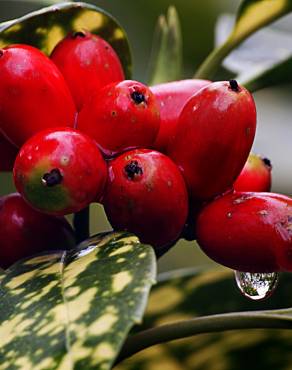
(256, 285)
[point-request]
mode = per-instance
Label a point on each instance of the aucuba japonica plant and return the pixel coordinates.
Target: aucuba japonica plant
(168, 159)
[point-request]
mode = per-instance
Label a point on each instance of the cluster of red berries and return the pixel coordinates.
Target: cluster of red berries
(156, 158)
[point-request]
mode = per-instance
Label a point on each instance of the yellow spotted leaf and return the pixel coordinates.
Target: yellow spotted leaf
(44, 28)
(185, 295)
(252, 15)
(73, 309)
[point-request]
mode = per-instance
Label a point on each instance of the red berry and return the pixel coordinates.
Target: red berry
(171, 97)
(248, 231)
(24, 231)
(121, 116)
(60, 171)
(33, 94)
(146, 195)
(88, 63)
(8, 153)
(213, 138)
(255, 175)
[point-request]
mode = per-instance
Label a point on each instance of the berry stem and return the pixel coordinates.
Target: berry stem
(209, 67)
(81, 221)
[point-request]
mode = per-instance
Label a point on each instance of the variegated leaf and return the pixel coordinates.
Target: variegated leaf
(73, 309)
(252, 15)
(46, 27)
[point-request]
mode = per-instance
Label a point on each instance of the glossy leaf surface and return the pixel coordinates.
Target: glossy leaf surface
(251, 16)
(279, 73)
(73, 309)
(263, 60)
(44, 28)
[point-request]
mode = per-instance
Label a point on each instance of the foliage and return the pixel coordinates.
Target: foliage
(74, 309)
(166, 59)
(190, 294)
(251, 16)
(44, 28)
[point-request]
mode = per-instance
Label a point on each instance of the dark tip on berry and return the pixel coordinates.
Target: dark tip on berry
(52, 178)
(78, 34)
(1, 53)
(234, 85)
(267, 162)
(138, 97)
(133, 169)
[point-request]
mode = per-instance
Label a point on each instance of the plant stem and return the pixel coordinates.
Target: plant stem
(201, 325)
(81, 224)
(210, 65)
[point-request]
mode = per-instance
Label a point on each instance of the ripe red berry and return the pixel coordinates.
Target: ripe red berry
(121, 116)
(146, 195)
(33, 94)
(24, 231)
(171, 97)
(8, 153)
(256, 175)
(213, 138)
(88, 63)
(60, 171)
(248, 231)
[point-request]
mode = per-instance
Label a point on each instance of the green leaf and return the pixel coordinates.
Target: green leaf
(166, 56)
(280, 73)
(253, 61)
(198, 292)
(210, 302)
(255, 52)
(44, 28)
(234, 350)
(73, 309)
(251, 16)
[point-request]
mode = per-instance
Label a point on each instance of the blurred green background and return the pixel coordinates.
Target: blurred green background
(198, 20)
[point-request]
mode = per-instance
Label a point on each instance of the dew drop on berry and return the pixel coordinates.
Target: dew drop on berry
(255, 285)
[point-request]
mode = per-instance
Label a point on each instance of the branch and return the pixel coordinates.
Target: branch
(81, 224)
(201, 325)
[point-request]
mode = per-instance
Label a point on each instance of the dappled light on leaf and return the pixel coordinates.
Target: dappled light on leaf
(44, 28)
(74, 309)
(198, 294)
